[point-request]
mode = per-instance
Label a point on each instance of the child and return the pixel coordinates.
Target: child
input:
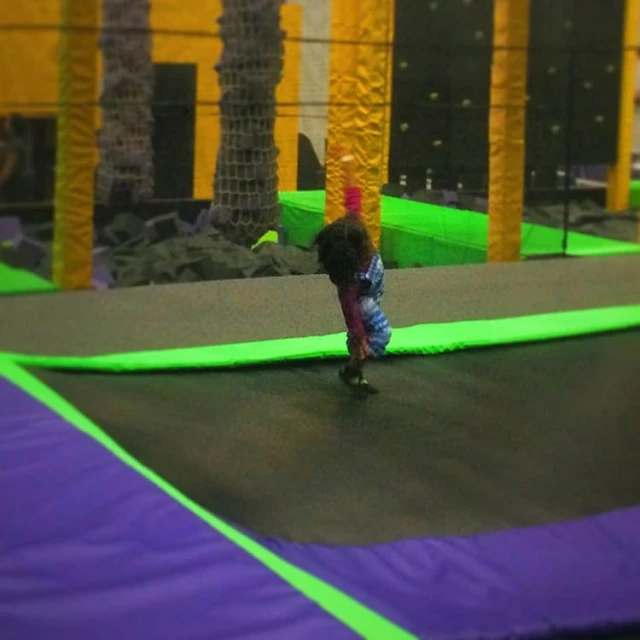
(348, 256)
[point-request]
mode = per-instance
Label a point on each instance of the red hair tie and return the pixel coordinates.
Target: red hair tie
(353, 201)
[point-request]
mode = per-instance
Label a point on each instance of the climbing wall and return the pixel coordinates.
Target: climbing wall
(441, 79)
(574, 84)
(440, 91)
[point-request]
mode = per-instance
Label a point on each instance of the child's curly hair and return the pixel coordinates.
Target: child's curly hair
(343, 247)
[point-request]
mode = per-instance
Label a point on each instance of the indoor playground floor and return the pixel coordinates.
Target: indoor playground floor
(185, 464)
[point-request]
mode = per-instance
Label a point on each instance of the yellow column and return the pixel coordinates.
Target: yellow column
(288, 99)
(76, 146)
(619, 178)
(507, 128)
(359, 97)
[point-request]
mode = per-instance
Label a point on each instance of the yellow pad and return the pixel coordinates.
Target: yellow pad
(76, 150)
(359, 103)
(28, 65)
(620, 173)
(288, 99)
(507, 128)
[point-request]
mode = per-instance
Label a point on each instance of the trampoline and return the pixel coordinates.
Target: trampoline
(182, 482)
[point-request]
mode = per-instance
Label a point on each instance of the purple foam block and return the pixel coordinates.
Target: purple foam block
(595, 173)
(449, 197)
(102, 277)
(203, 220)
(99, 251)
(186, 229)
(10, 229)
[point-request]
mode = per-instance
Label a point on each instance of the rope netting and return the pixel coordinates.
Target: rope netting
(245, 203)
(125, 170)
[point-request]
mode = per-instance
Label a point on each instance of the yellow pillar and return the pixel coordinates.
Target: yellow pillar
(76, 145)
(507, 128)
(359, 97)
(288, 99)
(619, 177)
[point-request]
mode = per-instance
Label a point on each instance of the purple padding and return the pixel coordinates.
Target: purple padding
(91, 549)
(532, 583)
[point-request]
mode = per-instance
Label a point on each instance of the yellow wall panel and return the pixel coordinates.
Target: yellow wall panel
(29, 56)
(199, 47)
(359, 95)
(620, 173)
(288, 98)
(183, 33)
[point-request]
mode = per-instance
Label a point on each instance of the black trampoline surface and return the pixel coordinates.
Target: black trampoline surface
(455, 444)
(239, 311)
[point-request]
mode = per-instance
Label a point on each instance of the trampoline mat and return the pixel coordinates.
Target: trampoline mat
(455, 444)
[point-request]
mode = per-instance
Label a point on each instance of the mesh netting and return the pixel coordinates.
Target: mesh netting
(125, 171)
(245, 203)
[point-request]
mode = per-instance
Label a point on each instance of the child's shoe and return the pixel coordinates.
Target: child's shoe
(357, 383)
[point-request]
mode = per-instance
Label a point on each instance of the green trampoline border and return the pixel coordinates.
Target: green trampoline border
(634, 194)
(421, 339)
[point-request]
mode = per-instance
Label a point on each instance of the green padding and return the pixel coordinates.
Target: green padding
(359, 618)
(271, 237)
(634, 194)
(421, 339)
(418, 234)
(14, 281)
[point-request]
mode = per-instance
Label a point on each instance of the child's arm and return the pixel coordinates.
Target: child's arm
(352, 193)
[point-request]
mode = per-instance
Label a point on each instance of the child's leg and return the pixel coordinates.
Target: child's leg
(357, 358)
(380, 335)
(377, 341)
